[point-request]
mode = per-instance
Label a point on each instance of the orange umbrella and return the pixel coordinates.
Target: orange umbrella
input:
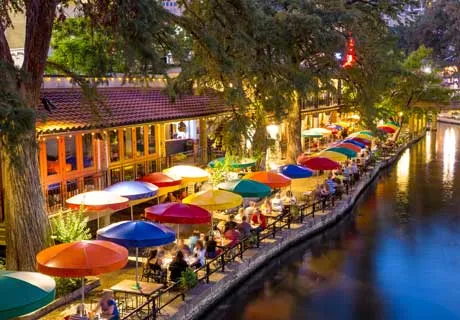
(271, 179)
(82, 258)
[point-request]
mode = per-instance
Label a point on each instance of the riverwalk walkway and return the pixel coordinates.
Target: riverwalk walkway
(217, 279)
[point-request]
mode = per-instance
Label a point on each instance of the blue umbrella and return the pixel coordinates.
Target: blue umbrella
(133, 190)
(295, 172)
(356, 143)
(137, 234)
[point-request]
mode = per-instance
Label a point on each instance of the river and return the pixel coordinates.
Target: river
(396, 256)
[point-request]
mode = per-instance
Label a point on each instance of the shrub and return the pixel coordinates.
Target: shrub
(2, 264)
(188, 279)
(70, 225)
(66, 285)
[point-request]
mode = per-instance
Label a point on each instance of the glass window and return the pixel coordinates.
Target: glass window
(128, 142)
(52, 156)
(152, 140)
(89, 184)
(54, 197)
(152, 166)
(140, 170)
(114, 146)
(70, 154)
(139, 141)
(72, 188)
(128, 173)
(88, 160)
(115, 176)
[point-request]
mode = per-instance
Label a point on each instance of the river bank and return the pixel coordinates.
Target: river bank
(204, 296)
(449, 120)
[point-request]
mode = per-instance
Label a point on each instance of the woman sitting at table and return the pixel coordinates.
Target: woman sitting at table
(181, 246)
(277, 203)
(233, 235)
(177, 266)
(199, 252)
(258, 220)
(266, 207)
(108, 306)
(289, 199)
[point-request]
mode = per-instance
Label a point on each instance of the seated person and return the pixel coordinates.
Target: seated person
(289, 199)
(277, 203)
(108, 306)
(177, 266)
(221, 227)
(216, 233)
(239, 216)
(193, 239)
(233, 235)
(245, 228)
(151, 263)
(250, 209)
(230, 224)
(199, 252)
(211, 248)
(183, 247)
(266, 207)
(258, 220)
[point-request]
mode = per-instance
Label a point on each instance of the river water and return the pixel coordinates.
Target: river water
(397, 256)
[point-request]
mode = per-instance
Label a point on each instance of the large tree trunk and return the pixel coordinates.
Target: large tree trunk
(294, 124)
(26, 220)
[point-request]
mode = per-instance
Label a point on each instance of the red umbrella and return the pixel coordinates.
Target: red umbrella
(318, 163)
(350, 146)
(178, 213)
(161, 180)
(363, 141)
(387, 129)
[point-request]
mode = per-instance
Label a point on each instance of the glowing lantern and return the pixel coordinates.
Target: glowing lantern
(350, 58)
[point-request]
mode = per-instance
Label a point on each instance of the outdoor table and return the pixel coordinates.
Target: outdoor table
(146, 290)
(223, 243)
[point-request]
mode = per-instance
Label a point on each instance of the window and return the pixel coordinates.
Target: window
(139, 141)
(52, 156)
(114, 146)
(88, 158)
(128, 173)
(115, 176)
(151, 166)
(140, 170)
(70, 154)
(89, 184)
(152, 140)
(128, 142)
(72, 188)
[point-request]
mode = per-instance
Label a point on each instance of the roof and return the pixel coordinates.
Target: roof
(119, 107)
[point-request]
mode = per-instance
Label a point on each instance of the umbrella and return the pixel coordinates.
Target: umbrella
(178, 213)
(161, 180)
(189, 174)
(243, 163)
(362, 141)
(361, 136)
(80, 259)
(214, 199)
(295, 172)
(98, 201)
(334, 127)
(332, 155)
(323, 131)
(320, 163)
(311, 134)
(137, 234)
(367, 132)
(133, 190)
(271, 179)
(24, 292)
(347, 152)
(246, 188)
(387, 129)
(356, 143)
(350, 146)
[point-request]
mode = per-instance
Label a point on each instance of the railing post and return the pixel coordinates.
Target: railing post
(222, 261)
(274, 229)
(208, 271)
(257, 238)
(241, 249)
(289, 221)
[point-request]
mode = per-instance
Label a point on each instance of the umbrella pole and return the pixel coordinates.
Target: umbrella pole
(82, 296)
(137, 272)
(132, 214)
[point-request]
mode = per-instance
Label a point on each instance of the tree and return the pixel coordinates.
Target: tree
(137, 26)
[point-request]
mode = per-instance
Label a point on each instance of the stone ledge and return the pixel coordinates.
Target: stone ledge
(196, 305)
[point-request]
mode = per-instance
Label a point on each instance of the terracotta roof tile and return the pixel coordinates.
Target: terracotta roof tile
(121, 106)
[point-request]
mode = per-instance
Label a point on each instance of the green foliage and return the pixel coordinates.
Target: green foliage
(66, 285)
(221, 169)
(188, 279)
(69, 226)
(2, 264)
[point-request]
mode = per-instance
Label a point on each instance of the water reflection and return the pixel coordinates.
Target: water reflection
(375, 264)
(449, 152)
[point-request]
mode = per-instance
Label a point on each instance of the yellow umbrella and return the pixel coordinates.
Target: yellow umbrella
(188, 174)
(361, 136)
(332, 155)
(214, 199)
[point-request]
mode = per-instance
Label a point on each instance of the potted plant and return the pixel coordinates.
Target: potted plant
(188, 279)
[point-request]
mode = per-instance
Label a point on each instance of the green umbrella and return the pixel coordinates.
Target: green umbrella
(24, 292)
(393, 123)
(246, 188)
(243, 163)
(367, 132)
(348, 152)
(311, 134)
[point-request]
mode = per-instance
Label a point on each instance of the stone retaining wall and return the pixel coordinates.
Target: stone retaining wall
(197, 305)
(449, 120)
